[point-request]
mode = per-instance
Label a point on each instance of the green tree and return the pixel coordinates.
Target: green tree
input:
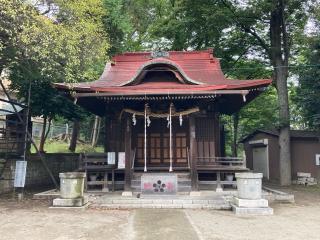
(67, 47)
(308, 91)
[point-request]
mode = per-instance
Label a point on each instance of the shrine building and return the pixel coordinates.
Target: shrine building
(162, 114)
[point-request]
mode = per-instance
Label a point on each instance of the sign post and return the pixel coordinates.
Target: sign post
(20, 177)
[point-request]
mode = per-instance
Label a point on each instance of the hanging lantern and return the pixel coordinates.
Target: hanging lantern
(180, 119)
(134, 120)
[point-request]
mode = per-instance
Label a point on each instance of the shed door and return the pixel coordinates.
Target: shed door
(261, 161)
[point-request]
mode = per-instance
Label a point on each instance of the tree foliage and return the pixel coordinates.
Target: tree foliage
(69, 46)
(66, 44)
(308, 93)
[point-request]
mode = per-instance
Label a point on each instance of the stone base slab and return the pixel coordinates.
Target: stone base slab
(69, 202)
(251, 210)
(249, 203)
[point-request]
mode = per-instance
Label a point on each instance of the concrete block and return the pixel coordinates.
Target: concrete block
(129, 206)
(250, 203)
(182, 201)
(69, 202)
(303, 174)
(216, 201)
(251, 211)
(151, 205)
(192, 206)
(200, 201)
(195, 194)
(286, 198)
(126, 194)
(174, 206)
(224, 206)
(131, 201)
(107, 206)
(162, 201)
(119, 206)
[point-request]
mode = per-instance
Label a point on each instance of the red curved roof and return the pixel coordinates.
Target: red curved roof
(199, 69)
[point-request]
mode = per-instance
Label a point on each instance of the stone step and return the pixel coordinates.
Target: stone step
(162, 203)
(163, 206)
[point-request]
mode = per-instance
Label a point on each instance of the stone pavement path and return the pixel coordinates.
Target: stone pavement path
(161, 224)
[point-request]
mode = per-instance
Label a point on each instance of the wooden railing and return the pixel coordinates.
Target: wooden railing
(221, 161)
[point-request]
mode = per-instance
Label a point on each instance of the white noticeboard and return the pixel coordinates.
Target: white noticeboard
(121, 160)
(20, 174)
(111, 158)
(317, 159)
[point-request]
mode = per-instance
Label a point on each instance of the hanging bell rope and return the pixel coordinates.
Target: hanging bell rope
(170, 124)
(145, 137)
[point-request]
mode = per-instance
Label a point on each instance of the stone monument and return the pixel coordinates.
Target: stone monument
(248, 200)
(71, 190)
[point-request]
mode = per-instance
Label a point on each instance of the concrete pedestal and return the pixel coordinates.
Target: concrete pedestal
(72, 184)
(248, 200)
(71, 190)
(249, 185)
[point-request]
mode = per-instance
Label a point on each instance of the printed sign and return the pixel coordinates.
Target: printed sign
(20, 174)
(111, 158)
(317, 159)
(121, 160)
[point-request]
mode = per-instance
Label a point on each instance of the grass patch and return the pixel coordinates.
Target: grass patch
(312, 189)
(62, 147)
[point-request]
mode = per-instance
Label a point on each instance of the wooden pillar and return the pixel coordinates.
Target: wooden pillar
(106, 133)
(217, 134)
(127, 146)
(193, 155)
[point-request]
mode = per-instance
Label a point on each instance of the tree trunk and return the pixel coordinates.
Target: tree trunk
(43, 134)
(284, 128)
(74, 136)
(279, 54)
(48, 129)
(235, 121)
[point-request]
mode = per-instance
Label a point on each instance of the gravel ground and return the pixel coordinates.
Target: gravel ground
(31, 219)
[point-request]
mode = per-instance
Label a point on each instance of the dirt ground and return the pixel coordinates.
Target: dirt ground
(32, 219)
